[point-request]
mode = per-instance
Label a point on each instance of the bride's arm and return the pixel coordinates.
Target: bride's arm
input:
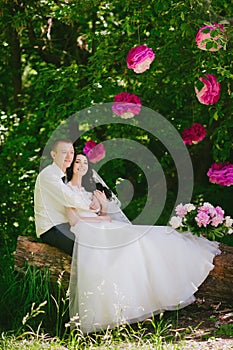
(97, 218)
(74, 218)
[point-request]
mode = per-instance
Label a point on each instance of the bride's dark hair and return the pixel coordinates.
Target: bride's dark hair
(88, 181)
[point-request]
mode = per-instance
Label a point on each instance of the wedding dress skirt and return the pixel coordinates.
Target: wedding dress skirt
(123, 273)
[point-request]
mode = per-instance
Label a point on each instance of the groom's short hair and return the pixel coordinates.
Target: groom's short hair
(57, 141)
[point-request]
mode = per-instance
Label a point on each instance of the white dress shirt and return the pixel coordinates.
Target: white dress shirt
(51, 196)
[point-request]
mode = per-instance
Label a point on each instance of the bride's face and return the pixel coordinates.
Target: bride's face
(80, 165)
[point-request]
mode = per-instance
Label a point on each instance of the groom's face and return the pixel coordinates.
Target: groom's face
(63, 155)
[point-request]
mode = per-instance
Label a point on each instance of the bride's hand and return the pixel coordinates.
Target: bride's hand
(102, 200)
(95, 204)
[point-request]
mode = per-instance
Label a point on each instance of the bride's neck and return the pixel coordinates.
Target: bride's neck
(76, 181)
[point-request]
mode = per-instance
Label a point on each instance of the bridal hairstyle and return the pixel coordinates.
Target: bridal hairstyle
(88, 181)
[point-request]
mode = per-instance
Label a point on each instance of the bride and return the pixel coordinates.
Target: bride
(124, 273)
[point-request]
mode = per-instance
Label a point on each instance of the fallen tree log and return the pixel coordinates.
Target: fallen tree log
(218, 287)
(30, 252)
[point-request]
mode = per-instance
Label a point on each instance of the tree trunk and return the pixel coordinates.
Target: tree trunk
(43, 256)
(15, 63)
(218, 287)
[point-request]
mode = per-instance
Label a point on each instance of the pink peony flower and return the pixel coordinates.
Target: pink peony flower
(94, 151)
(126, 105)
(203, 37)
(216, 221)
(202, 219)
(139, 58)
(221, 174)
(218, 216)
(208, 209)
(181, 210)
(219, 211)
(210, 92)
(194, 134)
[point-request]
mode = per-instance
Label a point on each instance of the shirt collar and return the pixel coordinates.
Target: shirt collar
(58, 170)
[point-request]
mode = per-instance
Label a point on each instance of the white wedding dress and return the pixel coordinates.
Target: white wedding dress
(124, 273)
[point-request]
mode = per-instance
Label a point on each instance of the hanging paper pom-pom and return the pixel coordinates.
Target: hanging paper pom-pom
(194, 134)
(126, 105)
(94, 151)
(210, 92)
(139, 58)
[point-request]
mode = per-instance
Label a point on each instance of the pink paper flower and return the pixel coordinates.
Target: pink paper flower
(210, 92)
(94, 151)
(221, 174)
(126, 105)
(204, 37)
(139, 58)
(195, 133)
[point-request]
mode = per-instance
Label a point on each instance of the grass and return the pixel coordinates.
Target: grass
(34, 315)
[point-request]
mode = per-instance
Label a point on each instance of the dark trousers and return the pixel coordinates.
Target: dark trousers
(60, 236)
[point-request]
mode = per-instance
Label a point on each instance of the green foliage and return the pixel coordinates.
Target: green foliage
(35, 304)
(54, 69)
(59, 58)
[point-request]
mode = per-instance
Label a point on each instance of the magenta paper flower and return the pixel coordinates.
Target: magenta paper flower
(94, 151)
(204, 37)
(139, 58)
(194, 134)
(126, 105)
(210, 92)
(221, 174)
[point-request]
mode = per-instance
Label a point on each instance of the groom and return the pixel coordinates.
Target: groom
(51, 196)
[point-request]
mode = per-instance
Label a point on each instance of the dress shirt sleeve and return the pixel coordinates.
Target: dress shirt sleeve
(54, 187)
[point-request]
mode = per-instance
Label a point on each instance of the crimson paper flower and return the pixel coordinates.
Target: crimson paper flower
(126, 105)
(210, 92)
(94, 151)
(221, 174)
(204, 37)
(194, 134)
(139, 58)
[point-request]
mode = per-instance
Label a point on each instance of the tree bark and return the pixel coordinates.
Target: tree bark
(218, 286)
(15, 63)
(30, 252)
